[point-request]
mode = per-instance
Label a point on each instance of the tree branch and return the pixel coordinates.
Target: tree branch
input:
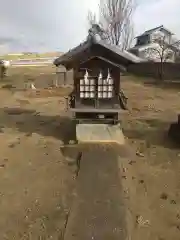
(116, 21)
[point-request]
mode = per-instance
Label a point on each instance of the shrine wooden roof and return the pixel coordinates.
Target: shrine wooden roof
(121, 67)
(94, 47)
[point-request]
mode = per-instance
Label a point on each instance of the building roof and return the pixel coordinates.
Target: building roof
(147, 32)
(109, 52)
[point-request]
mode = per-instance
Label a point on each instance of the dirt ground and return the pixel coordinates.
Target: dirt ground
(151, 179)
(36, 183)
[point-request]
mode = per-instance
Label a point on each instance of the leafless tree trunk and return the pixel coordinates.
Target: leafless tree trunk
(127, 35)
(115, 18)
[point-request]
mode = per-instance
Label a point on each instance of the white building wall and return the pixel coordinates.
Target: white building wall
(153, 52)
(156, 35)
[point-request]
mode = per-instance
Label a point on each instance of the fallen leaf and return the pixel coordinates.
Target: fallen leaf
(139, 154)
(173, 202)
(164, 196)
(141, 181)
(141, 222)
(131, 162)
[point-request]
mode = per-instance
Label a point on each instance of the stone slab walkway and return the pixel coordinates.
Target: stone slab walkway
(98, 211)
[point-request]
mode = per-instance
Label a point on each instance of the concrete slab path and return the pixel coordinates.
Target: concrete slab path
(98, 211)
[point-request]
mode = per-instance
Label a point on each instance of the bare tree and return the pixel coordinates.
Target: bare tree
(127, 35)
(162, 50)
(115, 18)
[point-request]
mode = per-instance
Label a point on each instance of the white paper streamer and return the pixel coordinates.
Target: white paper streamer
(100, 95)
(104, 94)
(100, 78)
(92, 95)
(108, 77)
(109, 94)
(81, 95)
(86, 75)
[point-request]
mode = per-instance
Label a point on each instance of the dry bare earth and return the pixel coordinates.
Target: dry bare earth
(36, 185)
(42, 77)
(152, 179)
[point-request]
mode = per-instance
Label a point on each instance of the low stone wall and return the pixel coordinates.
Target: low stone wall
(151, 69)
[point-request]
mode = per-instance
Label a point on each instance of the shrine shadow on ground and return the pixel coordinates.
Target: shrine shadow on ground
(166, 84)
(154, 133)
(30, 121)
(151, 82)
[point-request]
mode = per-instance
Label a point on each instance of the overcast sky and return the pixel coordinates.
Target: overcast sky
(51, 25)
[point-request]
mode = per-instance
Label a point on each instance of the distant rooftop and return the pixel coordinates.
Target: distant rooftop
(147, 32)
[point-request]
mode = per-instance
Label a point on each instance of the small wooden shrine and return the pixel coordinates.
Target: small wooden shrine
(97, 95)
